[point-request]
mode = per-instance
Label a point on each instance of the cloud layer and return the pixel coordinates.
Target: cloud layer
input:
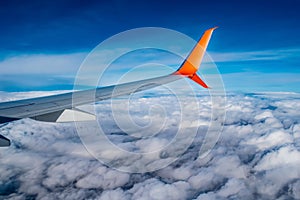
(257, 156)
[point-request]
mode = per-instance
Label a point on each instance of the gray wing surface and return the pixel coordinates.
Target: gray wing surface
(49, 108)
(62, 107)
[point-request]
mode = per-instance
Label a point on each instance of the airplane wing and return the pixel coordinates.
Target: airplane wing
(62, 107)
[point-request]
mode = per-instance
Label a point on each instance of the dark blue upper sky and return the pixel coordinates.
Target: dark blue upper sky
(269, 28)
(56, 26)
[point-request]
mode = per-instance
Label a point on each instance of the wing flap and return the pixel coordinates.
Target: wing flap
(4, 142)
(67, 115)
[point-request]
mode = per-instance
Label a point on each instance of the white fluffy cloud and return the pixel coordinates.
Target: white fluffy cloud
(42, 64)
(257, 156)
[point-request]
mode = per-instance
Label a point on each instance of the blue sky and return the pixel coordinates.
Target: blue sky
(256, 47)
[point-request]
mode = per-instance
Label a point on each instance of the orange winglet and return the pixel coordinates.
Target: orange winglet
(192, 63)
(198, 80)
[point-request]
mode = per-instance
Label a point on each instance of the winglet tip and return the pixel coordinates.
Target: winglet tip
(214, 28)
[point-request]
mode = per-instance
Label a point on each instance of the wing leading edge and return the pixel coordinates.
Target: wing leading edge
(62, 107)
